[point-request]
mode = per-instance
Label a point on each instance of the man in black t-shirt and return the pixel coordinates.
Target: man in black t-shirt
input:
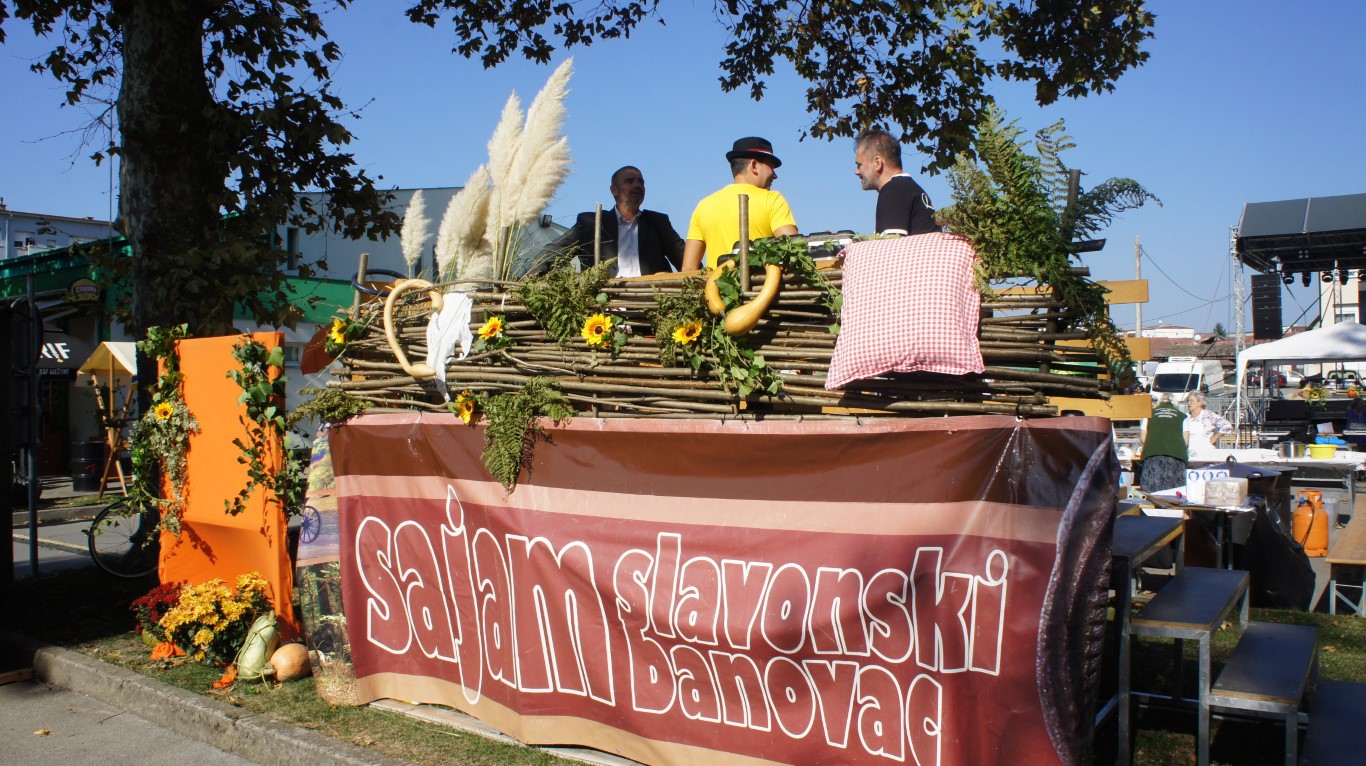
(902, 206)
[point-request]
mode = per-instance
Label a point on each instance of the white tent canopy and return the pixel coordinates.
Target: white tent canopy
(1341, 342)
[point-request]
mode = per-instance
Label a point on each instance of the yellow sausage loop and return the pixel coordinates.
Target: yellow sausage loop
(419, 371)
(743, 318)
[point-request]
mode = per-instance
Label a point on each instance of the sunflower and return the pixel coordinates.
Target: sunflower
(338, 334)
(492, 328)
(464, 406)
(164, 410)
(687, 332)
(596, 329)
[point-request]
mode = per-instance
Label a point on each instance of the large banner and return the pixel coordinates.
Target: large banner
(919, 591)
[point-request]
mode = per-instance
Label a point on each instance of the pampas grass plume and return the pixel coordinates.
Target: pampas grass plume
(413, 236)
(542, 159)
(462, 227)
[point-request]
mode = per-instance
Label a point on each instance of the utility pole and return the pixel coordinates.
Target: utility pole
(1138, 274)
(1238, 307)
(1238, 343)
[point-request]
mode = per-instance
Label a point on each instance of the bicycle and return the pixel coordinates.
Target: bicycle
(122, 542)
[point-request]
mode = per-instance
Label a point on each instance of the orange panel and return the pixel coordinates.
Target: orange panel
(211, 542)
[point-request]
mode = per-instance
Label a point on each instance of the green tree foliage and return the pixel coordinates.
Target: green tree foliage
(225, 112)
(920, 68)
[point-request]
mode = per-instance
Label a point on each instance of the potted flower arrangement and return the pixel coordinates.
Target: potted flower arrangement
(211, 620)
(1315, 396)
(150, 608)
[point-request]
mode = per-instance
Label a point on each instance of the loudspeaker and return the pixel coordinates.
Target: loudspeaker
(1266, 307)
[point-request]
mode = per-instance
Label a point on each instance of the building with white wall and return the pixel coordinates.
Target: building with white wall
(342, 256)
(1169, 331)
(30, 233)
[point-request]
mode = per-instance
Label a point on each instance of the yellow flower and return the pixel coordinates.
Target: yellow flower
(164, 410)
(464, 406)
(203, 637)
(338, 334)
(596, 328)
(686, 333)
(492, 328)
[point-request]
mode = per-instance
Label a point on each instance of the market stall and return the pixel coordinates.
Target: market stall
(112, 368)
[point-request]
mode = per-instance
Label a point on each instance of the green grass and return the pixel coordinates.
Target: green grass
(1168, 738)
(87, 611)
(298, 703)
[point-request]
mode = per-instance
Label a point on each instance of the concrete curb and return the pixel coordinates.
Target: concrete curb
(58, 514)
(257, 738)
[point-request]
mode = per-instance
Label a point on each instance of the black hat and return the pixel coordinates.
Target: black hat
(754, 147)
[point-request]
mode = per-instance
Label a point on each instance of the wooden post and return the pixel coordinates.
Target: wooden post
(744, 243)
(597, 234)
(360, 280)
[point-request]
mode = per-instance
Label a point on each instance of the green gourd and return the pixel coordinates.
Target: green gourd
(253, 661)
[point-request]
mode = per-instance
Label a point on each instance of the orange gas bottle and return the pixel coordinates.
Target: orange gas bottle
(1310, 523)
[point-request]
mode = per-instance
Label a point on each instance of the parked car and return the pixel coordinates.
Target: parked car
(1276, 378)
(1293, 379)
(1342, 378)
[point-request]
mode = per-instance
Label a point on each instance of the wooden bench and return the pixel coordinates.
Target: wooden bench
(1192, 606)
(1334, 736)
(1347, 570)
(1268, 673)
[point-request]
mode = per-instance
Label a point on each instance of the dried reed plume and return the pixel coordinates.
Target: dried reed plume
(461, 234)
(413, 236)
(483, 227)
(542, 158)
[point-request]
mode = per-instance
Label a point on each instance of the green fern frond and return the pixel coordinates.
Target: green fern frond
(1011, 207)
(561, 298)
(514, 426)
(1097, 208)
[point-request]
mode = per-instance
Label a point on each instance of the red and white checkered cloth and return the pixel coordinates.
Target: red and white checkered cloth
(910, 304)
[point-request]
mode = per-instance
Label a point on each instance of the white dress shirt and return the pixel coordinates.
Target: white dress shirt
(628, 245)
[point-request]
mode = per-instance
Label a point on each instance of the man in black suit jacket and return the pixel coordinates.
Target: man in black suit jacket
(642, 241)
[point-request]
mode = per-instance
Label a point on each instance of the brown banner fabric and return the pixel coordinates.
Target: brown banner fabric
(924, 591)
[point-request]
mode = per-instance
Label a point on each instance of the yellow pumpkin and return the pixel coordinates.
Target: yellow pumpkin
(291, 662)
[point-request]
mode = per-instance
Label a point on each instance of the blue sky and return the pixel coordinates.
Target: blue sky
(1241, 101)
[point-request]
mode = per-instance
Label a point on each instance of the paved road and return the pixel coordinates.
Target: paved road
(60, 546)
(85, 731)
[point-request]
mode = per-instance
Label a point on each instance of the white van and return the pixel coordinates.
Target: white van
(1182, 374)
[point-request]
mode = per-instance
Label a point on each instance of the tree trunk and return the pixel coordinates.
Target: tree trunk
(171, 179)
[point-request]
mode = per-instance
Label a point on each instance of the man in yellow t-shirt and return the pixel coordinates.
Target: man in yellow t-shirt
(715, 225)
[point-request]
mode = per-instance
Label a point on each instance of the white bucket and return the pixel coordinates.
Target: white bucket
(1335, 504)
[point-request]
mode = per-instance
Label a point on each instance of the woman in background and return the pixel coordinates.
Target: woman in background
(1203, 427)
(1164, 448)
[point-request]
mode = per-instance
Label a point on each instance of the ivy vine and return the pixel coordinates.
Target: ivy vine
(684, 327)
(266, 427)
(161, 437)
